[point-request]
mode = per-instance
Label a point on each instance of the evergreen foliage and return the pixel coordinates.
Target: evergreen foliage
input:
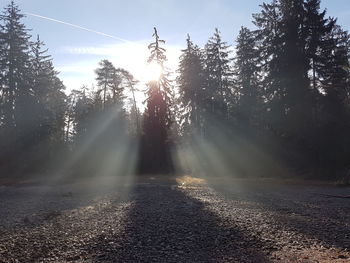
(285, 92)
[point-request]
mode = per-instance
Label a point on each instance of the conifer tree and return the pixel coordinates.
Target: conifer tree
(218, 76)
(334, 117)
(317, 28)
(130, 83)
(110, 81)
(104, 78)
(246, 72)
(157, 119)
(83, 113)
(282, 43)
(191, 85)
(48, 91)
(15, 76)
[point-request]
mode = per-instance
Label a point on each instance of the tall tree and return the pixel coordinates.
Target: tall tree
(218, 76)
(110, 81)
(335, 124)
(317, 28)
(282, 36)
(83, 114)
(191, 85)
(15, 75)
(270, 44)
(117, 86)
(130, 83)
(50, 99)
(157, 119)
(246, 72)
(294, 68)
(104, 78)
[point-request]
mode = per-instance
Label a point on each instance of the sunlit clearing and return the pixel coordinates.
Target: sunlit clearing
(189, 180)
(153, 72)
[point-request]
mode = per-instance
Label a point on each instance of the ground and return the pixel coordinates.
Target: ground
(182, 219)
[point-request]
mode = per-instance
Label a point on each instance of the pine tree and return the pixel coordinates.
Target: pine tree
(335, 124)
(17, 121)
(191, 85)
(48, 91)
(117, 86)
(247, 84)
(83, 114)
(130, 83)
(282, 38)
(159, 93)
(317, 27)
(270, 45)
(15, 68)
(294, 68)
(104, 78)
(218, 76)
(157, 119)
(110, 80)
(282, 35)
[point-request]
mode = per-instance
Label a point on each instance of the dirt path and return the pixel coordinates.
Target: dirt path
(169, 221)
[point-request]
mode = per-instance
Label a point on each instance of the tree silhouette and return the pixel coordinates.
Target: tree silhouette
(191, 86)
(157, 120)
(218, 76)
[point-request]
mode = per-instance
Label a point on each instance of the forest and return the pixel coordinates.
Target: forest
(274, 101)
(239, 155)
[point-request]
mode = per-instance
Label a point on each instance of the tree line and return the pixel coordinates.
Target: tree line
(286, 88)
(283, 87)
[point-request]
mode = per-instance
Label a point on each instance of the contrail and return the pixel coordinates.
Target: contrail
(80, 27)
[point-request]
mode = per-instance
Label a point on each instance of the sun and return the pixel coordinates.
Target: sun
(153, 71)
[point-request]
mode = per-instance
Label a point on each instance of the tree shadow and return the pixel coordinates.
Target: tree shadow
(311, 215)
(166, 225)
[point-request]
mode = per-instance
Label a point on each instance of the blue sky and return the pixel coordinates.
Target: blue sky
(76, 52)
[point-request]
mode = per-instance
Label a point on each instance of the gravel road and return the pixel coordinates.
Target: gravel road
(168, 220)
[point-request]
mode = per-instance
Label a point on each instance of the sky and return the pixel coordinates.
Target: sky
(129, 26)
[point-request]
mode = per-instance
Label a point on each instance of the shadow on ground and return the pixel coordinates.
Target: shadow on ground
(298, 208)
(165, 225)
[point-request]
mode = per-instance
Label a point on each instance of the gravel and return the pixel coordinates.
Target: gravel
(169, 221)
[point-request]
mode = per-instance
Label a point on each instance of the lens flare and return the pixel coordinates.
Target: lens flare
(153, 72)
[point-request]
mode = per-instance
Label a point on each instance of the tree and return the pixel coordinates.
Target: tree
(15, 76)
(191, 85)
(218, 76)
(50, 100)
(17, 130)
(104, 78)
(83, 114)
(317, 28)
(334, 117)
(247, 86)
(282, 38)
(118, 85)
(155, 155)
(294, 70)
(131, 85)
(33, 102)
(110, 80)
